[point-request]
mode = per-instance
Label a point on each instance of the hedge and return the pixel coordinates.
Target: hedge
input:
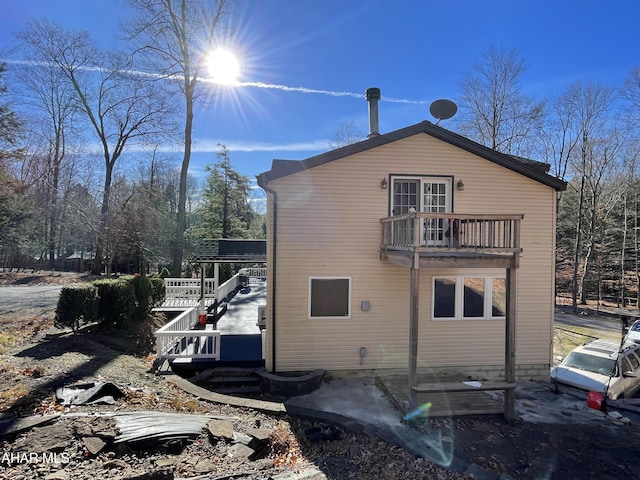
(77, 305)
(122, 303)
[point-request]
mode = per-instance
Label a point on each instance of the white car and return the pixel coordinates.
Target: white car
(633, 335)
(602, 366)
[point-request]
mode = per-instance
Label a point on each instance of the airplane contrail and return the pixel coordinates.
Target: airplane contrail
(321, 92)
(262, 85)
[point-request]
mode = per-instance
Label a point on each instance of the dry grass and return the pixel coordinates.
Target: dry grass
(283, 446)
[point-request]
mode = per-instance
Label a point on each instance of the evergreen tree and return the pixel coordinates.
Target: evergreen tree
(226, 210)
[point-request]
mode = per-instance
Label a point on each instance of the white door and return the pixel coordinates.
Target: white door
(428, 194)
(436, 195)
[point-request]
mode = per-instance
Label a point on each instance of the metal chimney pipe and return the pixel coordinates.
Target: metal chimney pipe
(373, 95)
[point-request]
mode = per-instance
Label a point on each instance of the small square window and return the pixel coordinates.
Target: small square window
(330, 297)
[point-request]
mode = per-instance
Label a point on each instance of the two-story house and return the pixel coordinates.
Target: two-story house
(417, 249)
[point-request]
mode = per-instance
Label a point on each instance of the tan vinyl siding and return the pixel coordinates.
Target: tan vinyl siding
(329, 224)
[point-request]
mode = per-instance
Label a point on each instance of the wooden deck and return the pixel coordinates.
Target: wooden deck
(234, 338)
(463, 400)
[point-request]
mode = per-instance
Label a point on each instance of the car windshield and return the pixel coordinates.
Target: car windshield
(591, 363)
(635, 327)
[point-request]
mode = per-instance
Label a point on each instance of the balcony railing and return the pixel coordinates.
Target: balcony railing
(177, 339)
(439, 232)
(186, 292)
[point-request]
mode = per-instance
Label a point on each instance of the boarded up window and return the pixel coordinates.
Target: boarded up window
(330, 297)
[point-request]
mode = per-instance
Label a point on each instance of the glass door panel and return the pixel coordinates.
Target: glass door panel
(436, 199)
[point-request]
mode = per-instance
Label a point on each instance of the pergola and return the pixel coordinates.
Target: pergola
(223, 250)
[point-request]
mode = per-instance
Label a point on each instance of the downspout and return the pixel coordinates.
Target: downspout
(274, 271)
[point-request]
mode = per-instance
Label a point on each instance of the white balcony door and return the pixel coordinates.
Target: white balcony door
(428, 194)
(436, 198)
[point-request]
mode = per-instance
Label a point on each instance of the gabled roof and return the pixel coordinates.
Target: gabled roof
(529, 168)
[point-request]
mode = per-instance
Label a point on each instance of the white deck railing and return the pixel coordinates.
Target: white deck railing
(185, 292)
(227, 287)
(177, 339)
(254, 272)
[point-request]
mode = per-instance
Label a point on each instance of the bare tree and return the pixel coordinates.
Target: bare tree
(119, 105)
(12, 208)
(175, 37)
(493, 109)
(631, 94)
(346, 134)
(52, 107)
(594, 155)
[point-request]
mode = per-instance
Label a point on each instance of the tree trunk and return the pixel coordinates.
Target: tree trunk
(576, 251)
(102, 239)
(625, 228)
(176, 267)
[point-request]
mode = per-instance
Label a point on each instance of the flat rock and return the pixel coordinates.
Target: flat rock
(115, 463)
(259, 436)
(242, 438)
(59, 475)
(221, 429)
(94, 445)
(240, 450)
(50, 438)
(204, 466)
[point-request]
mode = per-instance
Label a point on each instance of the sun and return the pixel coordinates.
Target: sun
(223, 67)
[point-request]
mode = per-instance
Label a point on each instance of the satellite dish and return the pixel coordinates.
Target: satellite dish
(443, 109)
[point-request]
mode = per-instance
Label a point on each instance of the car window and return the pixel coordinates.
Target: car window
(635, 327)
(626, 366)
(591, 363)
(633, 359)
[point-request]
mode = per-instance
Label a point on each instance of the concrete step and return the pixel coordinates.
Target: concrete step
(230, 390)
(229, 380)
(224, 380)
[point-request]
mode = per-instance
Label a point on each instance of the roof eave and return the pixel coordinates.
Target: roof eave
(426, 127)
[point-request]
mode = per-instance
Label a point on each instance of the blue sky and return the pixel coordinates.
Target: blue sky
(412, 50)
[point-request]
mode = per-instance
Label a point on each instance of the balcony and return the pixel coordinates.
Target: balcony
(463, 239)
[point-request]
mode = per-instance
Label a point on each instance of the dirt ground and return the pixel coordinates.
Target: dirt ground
(36, 358)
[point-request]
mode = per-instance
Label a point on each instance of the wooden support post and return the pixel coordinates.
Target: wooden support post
(216, 284)
(414, 317)
(510, 342)
(203, 275)
(413, 333)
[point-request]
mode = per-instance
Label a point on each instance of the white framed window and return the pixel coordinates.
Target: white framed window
(330, 297)
(470, 297)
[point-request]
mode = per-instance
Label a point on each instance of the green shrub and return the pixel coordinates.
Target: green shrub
(124, 303)
(157, 291)
(116, 301)
(142, 292)
(77, 305)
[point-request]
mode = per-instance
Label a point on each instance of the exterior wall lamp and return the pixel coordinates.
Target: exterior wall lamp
(383, 184)
(460, 185)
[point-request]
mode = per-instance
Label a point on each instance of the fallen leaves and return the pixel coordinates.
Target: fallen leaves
(284, 447)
